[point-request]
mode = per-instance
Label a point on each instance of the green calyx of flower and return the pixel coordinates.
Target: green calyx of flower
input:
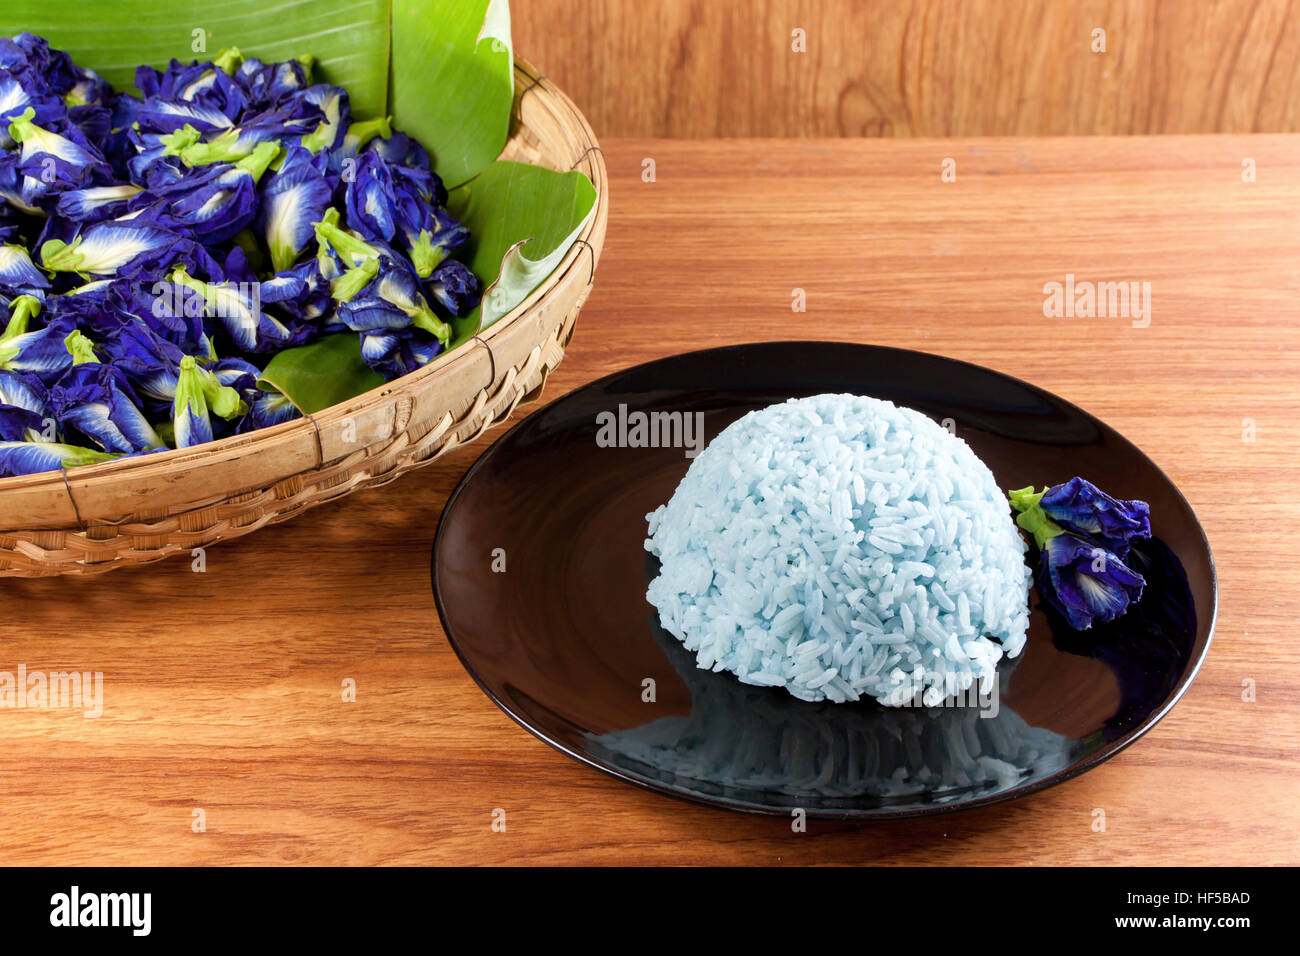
(226, 148)
(424, 318)
(318, 138)
(199, 389)
(1031, 516)
(181, 276)
(228, 60)
(22, 127)
(86, 456)
(76, 97)
(349, 246)
(175, 143)
(80, 348)
(21, 312)
(189, 389)
(425, 256)
(59, 256)
(364, 131)
(260, 159)
(346, 286)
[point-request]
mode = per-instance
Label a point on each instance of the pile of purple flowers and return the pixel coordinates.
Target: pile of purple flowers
(157, 251)
(1083, 536)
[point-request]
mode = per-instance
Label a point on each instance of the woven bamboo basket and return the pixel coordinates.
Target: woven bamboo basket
(99, 517)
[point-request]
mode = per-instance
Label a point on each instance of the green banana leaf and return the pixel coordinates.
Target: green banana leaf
(522, 220)
(324, 373)
(443, 69)
(349, 39)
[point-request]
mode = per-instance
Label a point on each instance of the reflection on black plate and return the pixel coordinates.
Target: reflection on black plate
(564, 641)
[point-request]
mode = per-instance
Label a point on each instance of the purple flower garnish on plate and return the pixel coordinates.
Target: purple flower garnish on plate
(1089, 583)
(1083, 536)
(1080, 507)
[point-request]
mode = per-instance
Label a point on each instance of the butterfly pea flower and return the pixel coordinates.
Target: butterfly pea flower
(267, 408)
(333, 102)
(195, 82)
(106, 248)
(290, 294)
(400, 150)
(454, 287)
(153, 159)
(284, 125)
(33, 457)
(237, 373)
(1087, 584)
(54, 160)
(393, 301)
(352, 249)
(18, 273)
(294, 199)
(158, 115)
(1080, 578)
(22, 309)
(266, 84)
(95, 203)
(89, 89)
(212, 86)
(1080, 507)
(348, 261)
(40, 352)
(98, 401)
(117, 147)
(94, 123)
(425, 182)
(370, 199)
(428, 234)
(32, 57)
(198, 396)
(238, 306)
(167, 310)
(150, 362)
(216, 204)
(396, 352)
(16, 97)
(20, 192)
(302, 292)
(23, 408)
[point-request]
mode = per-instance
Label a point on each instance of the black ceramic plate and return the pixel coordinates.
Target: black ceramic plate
(564, 641)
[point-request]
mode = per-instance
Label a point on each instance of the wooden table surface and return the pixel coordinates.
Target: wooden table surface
(223, 689)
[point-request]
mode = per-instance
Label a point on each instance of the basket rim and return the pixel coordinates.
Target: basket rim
(177, 459)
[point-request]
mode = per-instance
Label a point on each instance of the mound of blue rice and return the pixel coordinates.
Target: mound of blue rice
(842, 547)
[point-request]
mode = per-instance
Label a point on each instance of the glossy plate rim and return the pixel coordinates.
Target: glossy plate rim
(1081, 766)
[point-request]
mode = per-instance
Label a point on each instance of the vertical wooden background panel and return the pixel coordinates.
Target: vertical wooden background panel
(705, 68)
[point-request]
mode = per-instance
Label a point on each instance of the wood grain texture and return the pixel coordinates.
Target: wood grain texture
(222, 689)
(709, 68)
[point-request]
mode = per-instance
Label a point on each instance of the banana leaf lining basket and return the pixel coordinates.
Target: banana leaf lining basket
(99, 517)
